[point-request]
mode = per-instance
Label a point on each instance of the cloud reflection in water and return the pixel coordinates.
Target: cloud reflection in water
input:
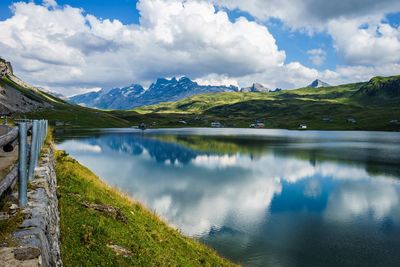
(203, 191)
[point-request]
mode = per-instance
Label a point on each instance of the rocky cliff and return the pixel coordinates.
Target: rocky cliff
(5, 68)
(15, 95)
(256, 87)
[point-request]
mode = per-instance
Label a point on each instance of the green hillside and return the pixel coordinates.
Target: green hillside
(373, 105)
(60, 110)
(381, 88)
(348, 107)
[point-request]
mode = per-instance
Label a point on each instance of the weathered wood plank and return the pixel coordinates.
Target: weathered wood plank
(8, 180)
(8, 137)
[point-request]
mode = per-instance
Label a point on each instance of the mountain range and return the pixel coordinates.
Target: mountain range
(116, 98)
(163, 90)
(372, 105)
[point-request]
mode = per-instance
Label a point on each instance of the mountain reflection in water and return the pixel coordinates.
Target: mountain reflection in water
(262, 197)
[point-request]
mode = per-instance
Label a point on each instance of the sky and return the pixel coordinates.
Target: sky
(75, 46)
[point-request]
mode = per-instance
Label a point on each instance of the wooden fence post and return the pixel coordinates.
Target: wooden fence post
(33, 152)
(22, 168)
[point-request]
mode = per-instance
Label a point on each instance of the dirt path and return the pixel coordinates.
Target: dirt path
(6, 159)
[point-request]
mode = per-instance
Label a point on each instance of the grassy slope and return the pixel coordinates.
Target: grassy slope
(86, 233)
(62, 111)
(202, 103)
(285, 109)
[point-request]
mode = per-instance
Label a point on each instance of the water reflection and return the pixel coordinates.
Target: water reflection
(274, 198)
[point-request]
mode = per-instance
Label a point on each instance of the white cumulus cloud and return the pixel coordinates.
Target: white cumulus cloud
(65, 49)
(313, 15)
(317, 56)
(361, 34)
(373, 44)
(62, 47)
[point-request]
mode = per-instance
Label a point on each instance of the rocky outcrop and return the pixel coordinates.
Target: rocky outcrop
(39, 234)
(256, 87)
(15, 95)
(318, 83)
(5, 68)
(13, 101)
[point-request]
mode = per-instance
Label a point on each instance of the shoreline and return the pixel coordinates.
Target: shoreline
(133, 129)
(100, 223)
(77, 219)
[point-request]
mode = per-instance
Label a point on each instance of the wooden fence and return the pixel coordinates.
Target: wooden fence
(28, 155)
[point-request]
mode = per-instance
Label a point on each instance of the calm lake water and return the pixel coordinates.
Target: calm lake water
(261, 197)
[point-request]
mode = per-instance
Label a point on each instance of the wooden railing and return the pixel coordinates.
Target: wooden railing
(28, 155)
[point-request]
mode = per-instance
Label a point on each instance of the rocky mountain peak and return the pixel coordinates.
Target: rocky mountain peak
(318, 83)
(255, 87)
(186, 80)
(161, 81)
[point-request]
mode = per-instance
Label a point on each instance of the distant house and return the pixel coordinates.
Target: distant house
(142, 126)
(60, 123)
(257, 125)
(327, 119)
(182, 121)
(303, 126)
(216, 124)
(394, 122)
(260, 125)
(351, 120)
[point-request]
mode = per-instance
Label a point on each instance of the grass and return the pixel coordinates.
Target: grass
(286, 109)
(8, 226)
(87, 234)
(205, 102)
(372, 104)
(79, 117)
(29, 93)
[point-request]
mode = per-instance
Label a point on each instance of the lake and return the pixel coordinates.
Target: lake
(261, 197)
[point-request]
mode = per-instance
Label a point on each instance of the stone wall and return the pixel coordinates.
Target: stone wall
(38, 236)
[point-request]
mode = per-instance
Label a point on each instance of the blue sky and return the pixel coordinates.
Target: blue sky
(123, 10)
(314, 39)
